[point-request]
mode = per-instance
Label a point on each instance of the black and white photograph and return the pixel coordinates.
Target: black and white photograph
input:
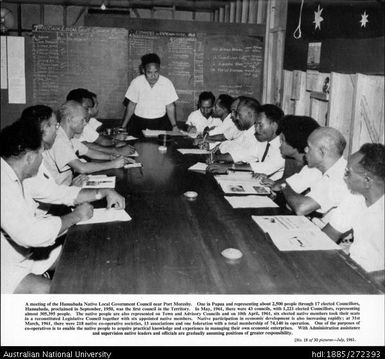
(110, 238)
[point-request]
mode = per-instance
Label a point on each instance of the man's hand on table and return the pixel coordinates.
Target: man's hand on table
(115, 200)
(78, 181)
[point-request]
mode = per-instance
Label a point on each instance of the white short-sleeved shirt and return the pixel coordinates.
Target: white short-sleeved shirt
(367, 223)
(62, 152)
(89, 134)
(43, 188)
(245, 148)
(273, 162)
(227, 128)
(200, 122)
(331, 189)
(150, 101)
(94, 123)
(304, 179)
(21, 230)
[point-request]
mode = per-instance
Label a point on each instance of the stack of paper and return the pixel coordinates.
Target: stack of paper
(251, 202)
(152, 133)
(155, 133)
(135, 154)
(193, 151)
(102, 215)
(133, 165)
(198, 167)
(100, 181)
(294, 233)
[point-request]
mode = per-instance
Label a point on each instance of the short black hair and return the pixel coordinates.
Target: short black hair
(79, 94)
(374, 159)
(150, 59)
(18, 138)
(251, 103)
(225, 101)
(272, 112)
(206, 95)
(296, 130)
(39, 113)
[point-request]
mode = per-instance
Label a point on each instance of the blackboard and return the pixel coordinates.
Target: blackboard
(197, 62)
(95, 58)
(105, 60)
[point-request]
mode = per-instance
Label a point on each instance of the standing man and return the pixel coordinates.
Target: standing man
(151, 99)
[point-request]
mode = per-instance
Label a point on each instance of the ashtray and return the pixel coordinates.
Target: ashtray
(232, 254)
(191, 195)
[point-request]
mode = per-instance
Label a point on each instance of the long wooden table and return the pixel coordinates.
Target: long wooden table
(173, 245)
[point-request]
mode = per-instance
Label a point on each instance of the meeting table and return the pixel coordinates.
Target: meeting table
(173, 245)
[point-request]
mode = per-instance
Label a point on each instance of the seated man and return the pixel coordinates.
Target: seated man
(324, 152)
(260, 148)
(43, 187)
(270, 162)
(363, 209)
(90, 136)
(93, 112)
(227, 129)
(202, 119)
(63, 158)
(21, 229)
(244, 148)
(294, 132)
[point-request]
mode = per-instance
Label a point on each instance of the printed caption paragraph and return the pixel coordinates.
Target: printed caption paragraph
(209, 318)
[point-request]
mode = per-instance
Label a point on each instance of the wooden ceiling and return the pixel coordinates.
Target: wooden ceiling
(190, 5)
(181, 5)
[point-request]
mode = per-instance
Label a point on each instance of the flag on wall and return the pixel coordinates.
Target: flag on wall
(351, 35)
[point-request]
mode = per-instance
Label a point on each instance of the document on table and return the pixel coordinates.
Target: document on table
(100, 181)
(295, 233)
(193, 151)
(135, 154)
(251, 202)
(189, 134)
(238, 176)
(130, 138)
(242, 187)
(199, 166)
(155, 133)
(103, 215)
(133, 165)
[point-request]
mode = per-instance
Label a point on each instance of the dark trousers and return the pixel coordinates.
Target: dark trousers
(137, 124)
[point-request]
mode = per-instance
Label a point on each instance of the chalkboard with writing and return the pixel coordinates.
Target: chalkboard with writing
(197, 62)
(105, 60)
(95, 58)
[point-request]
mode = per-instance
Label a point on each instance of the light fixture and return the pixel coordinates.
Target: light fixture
(103, 6)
